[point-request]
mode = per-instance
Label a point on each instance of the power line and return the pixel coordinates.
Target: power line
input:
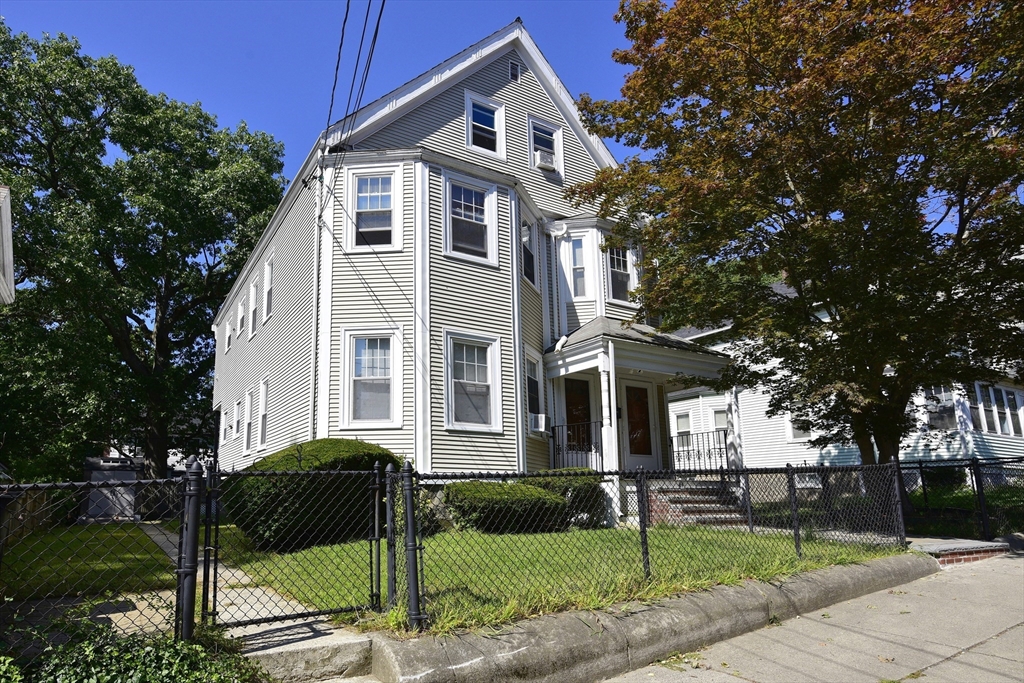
(337, 67)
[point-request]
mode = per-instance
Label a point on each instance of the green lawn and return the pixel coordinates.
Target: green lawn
(84, 560)
(954, 512)
(474, 579)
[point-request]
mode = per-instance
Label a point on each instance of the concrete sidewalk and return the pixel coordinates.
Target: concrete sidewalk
(963, 624)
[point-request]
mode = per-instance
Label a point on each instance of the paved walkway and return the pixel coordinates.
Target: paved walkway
(964, 624)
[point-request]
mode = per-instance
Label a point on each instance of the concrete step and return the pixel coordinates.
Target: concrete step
(307, 651)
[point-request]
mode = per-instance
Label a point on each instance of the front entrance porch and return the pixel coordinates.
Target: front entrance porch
(609, 388)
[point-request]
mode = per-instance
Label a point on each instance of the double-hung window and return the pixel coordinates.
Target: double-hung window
(533, 386)
(545, 146)
(254, 304)
(249, 410)
(373, 211)
(241, 317)
(268, 288)
(683, 438)
(579, 273)
(470, 217)
(264, 391)
(473, 396)
(485, 125)
(618, 262)
(940, 408)
(228, 334)
(529, 241)
(225, 424)
(238, 418)
(371, 379)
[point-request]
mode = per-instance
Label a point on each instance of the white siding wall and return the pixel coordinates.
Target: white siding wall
(373, 291)
(280, 349)
(472, 298)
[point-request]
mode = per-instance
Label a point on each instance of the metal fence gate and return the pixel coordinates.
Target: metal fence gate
(288, 545)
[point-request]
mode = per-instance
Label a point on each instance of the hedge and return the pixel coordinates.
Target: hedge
(947, 478)
(581, 488)
(496, 507)
(289, 512)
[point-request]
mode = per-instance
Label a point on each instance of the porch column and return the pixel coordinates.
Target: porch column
(609, 408)
(734, 443)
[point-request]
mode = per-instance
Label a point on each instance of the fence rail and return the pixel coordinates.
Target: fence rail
(700, 450)
(576, 445)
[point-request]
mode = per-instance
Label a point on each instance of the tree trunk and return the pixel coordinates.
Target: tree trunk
(862, 437)
(155, 447)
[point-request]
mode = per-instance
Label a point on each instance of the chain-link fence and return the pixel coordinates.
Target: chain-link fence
(495, 546)
(284, 545)
(77, 553)
(982, 499)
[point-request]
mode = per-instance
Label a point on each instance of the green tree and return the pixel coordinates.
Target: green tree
(864, 155)
(132, 215)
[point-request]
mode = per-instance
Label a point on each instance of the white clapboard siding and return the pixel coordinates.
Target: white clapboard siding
(374, 290)
(474, 298)
(439, 124)
(997, 446)
(281, 348)
(617, 311)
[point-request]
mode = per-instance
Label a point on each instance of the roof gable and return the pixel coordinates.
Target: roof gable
(392, 106)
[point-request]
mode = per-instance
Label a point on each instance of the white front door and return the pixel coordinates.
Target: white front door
(638, 426)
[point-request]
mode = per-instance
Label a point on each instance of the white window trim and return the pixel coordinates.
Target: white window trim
(711, 419)
(791, 436)
(228, 334)
(535, 357)
(490, 214)
(261, 434)
(494, 369)
(253, 298)
(225, 426)
(352, 174)
(499, 124)
(986, 412)
(559, 155)
(268, 265)
(675, 421)
(631, 264)
(348, 371)
(241, 319)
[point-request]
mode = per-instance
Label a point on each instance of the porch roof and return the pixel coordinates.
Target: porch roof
(602, 326)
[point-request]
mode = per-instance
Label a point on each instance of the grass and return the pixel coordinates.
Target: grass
(84, 560)
(954, 512)
(475, 580)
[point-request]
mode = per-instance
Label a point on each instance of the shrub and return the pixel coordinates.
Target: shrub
(944, 478)
(101, 656)
(288, 512)
(495, 507)
(9, 671)
(581, 488)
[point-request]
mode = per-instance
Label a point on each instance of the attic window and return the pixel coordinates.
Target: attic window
(513, 71)
(485, 125)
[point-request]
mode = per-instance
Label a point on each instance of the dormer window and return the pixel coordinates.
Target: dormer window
(485, 125)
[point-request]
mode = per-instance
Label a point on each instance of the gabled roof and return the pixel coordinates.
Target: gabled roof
(644, 334)
(374, 116)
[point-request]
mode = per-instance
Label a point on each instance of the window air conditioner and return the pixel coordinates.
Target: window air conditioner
(538, 423)
(544, 160)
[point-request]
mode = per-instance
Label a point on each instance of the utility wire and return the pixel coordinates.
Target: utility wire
(337, 67)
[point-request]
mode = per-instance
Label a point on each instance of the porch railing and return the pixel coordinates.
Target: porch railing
(576, 445)
(700, 450)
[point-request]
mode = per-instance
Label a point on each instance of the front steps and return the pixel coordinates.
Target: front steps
(693, 501)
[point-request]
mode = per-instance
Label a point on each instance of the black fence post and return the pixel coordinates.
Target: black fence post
(389, 530)
(375, 543)
(901, 530)
(416, 618)
(979, 487)
(207, 523)
(791, 481)
(924, 487)
(188, 550)
(644, 510)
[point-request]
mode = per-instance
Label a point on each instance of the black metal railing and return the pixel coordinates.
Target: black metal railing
(700, 450)
(576, 445)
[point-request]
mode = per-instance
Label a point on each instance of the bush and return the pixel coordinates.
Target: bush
(944, 478)
(288, 512)
(101, 656)
(495, 507)
(581, 488)
(9, 671)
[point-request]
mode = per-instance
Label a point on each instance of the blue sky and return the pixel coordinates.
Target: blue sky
(271, 63)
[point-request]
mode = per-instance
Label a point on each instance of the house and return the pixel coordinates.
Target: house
(711, 428)
(424, 285)
(6, 249)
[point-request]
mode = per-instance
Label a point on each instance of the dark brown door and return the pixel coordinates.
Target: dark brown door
(577, 401)
(638, 420)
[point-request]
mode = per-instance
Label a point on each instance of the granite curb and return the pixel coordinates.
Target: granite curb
(591, 646)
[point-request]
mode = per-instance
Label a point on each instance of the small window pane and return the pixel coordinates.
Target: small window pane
(371, 399)
(472, 404)
(543, 139)
(720, 420)
(683, 424)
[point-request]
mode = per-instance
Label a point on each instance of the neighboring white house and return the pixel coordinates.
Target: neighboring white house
(425, 286)
(984, 421)
(6, 248)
